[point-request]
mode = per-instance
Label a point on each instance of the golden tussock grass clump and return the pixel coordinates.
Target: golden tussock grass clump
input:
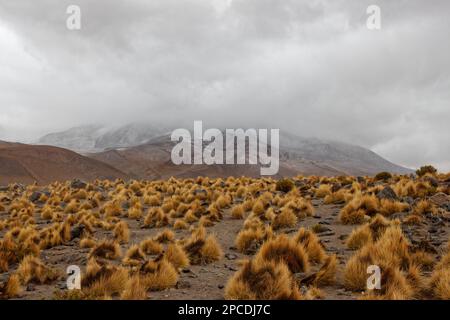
(176, 255)
(394, 286)
(31, 269)
(284, 185)
(392, 249)
(134, 289)
(106, 249)
(11, 288)
(47, 213)
(151, 247)
(413, 219)
(422, 259)
(134, 256)
(253, 222)
(190, 216)
(153, 201)
(323, 190)
(311, 244)
(237, 212)
(423, 207)
(87, 243)
(349, 215)
(122, 232)
(285, 219)
(258, 207)
(72, 206)
(301, 207)
(167, 206)
(378, 226)
(165, 236)
(135, 212)
(203, 249)
(158, 275)
(355, 272)
(388, 207)
(103, 280)
(286, 250)
(439, 283)
(262, 280)
(270, 214)
(359, 237)
(156, 218)
(205, 221)
(249, 240)
(327, 273)
(340, 196)
(223, 202)
(248, 204)
(112, 209)
(211, 250)
(314, 293)
(180, 224)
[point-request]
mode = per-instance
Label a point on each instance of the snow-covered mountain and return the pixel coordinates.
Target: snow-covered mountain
(144, 147)
(97, 138)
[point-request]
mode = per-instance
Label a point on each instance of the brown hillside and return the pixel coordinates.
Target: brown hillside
(26, 164)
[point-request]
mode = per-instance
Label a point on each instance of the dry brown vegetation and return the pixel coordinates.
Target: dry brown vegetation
(299, 238)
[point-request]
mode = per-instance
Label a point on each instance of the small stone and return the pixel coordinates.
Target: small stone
(183, 285)
(35, 196)
(232, 268)
(221, 286)
(78, 184)
(343, 236)
(30, 287)
(327, 234)
(231, 256)
(77, 231)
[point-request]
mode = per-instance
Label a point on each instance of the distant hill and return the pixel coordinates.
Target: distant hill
(297, 156)
(22, 163)
(143, 151)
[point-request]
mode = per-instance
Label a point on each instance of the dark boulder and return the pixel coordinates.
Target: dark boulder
(78, 184)
(387, 193)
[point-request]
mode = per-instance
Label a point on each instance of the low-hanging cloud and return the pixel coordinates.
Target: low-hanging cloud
(311, 67)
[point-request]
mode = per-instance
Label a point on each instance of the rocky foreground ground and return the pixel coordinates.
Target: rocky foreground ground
(235, 238)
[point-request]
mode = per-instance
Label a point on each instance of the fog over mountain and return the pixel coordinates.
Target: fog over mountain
(144, 151)
(312, 68)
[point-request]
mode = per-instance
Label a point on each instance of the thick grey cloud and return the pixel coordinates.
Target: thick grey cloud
(311, 67)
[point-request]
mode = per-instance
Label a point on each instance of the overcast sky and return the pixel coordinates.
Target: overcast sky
(311, 67)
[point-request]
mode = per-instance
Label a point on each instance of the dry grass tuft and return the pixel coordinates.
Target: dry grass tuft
(311, 244)
(134, 289)
(286, 250)
(285, 219)
(106, 249)
(122, 232)
(31, 269)
(176, 256)
(262, 280)
(159, 275)
(151, 247)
